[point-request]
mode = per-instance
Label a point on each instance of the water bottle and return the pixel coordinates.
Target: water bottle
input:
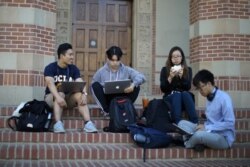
(140, 138)
(48, 121)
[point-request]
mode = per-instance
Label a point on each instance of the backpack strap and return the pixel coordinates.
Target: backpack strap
(12, 119)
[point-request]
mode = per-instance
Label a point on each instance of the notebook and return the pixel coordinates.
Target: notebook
(181, 130)
(71, 87)
(115, 87)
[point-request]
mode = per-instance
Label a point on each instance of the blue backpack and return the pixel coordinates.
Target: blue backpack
(149, 138)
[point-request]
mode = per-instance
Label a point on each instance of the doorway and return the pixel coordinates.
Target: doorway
(97, 25)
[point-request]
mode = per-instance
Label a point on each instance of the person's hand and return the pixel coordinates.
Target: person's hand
(172, 73)
(61, 101)
(200, 127)
(180, 72)
(130, 88)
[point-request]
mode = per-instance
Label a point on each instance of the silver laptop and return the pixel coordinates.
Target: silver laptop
(181, 130)
(71, 87)
(115, 87)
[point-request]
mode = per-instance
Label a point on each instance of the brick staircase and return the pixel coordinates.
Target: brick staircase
(76, 148)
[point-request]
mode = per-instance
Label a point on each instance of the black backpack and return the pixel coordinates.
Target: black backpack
(149, 138)
(158, 115)
(35, 117)
(122, 113)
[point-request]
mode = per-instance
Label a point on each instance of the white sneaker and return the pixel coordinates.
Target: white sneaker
(90, 127)
(58, 127)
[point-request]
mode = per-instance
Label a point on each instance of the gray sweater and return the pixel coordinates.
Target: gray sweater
(124, 72)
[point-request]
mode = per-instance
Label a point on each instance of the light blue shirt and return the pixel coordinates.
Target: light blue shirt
(220, 116)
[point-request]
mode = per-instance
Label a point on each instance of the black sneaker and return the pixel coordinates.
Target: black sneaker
(178, 141)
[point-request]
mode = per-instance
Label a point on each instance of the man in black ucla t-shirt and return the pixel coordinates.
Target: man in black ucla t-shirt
(61, 71)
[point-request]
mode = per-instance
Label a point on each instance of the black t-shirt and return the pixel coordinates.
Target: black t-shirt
(59, 74)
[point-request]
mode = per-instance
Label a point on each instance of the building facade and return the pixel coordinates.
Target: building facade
(214, 34)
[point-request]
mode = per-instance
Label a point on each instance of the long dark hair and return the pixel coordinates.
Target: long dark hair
(169, 63)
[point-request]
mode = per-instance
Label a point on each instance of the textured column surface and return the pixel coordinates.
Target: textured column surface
(220, 42)
(27, 44)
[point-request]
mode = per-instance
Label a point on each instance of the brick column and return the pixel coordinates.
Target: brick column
(27, 44)
(220, 42)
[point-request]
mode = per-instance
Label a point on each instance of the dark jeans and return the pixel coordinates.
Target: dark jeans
(105, 99)
(182, 101)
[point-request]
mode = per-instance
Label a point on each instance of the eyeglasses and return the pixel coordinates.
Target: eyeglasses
(176, 57)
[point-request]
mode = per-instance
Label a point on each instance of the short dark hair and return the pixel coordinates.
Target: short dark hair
(114, 50)
(62, 49)
(203, 76)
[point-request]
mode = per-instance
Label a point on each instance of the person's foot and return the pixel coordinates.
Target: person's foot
(58, 127)
(105, 114)
(178, 141)
(199, 148)
(89, 127)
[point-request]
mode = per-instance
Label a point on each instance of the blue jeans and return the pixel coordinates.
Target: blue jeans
(182, 101)
(209, 139)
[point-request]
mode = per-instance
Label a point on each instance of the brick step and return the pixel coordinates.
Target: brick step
(77, 136)
(95, 151)
(95, 111)
(137, 163)
(76, 123)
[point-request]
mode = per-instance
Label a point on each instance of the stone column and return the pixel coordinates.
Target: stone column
(220, 42)
(142, 41)
(27, 44)
(63, 21)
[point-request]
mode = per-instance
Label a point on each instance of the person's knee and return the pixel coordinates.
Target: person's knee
(80, 99)
(95, 85)
(182, 123)
(199, 134)
(188, 96)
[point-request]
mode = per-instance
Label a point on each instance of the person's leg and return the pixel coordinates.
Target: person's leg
(175, 102)
(189, 106)
(188, 126)
(211, 140)
(99, 96)
(57, 111)
(80, 100)
(133, 95)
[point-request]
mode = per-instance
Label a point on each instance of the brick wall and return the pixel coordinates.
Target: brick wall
(220, 42)
(214, 9)
(220, 47)
(25, 38)
(48, 5)
(28, 38)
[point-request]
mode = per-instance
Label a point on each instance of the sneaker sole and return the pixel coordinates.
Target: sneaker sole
(59, 131)
(90, 131)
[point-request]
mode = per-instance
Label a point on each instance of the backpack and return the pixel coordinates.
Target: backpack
(149, 138)
(122, 113)
(158, 115)
(35, 116)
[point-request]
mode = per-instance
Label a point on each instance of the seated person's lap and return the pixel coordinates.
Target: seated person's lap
(71, 100)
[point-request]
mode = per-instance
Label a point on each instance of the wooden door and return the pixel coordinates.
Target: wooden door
(97, 25)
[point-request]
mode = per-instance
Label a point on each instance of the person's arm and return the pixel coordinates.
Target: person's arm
(227, 119)
(186, 82)
(165, 81)
(137, 77)
(49, 81)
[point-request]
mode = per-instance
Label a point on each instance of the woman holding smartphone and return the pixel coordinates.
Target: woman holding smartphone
(175, 83)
